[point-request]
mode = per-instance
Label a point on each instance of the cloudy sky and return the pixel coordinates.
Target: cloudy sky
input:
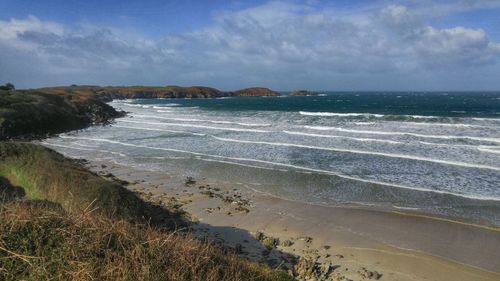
(284, 45)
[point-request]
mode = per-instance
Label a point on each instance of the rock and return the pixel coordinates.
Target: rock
(242, 209)
(310, 269)
(189, 181)
(306, 239)
(270, 242)
(303, 93)
(259, 235)
(287, 243)
(367, 274)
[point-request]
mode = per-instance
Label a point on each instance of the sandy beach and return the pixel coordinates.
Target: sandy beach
(340, 243)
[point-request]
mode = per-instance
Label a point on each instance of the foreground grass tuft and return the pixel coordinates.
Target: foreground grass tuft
(39, 240)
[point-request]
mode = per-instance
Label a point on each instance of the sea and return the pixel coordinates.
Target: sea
(426, 152)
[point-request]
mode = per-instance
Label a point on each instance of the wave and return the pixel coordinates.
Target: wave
(85, 149)
(288, 166)
(391, 155)
(159, 130)
(202, 120)
(496, 151)
(307, 113)
(164, 111)
(342, 137)
(325, 128)
(197, 126)
(481, 148)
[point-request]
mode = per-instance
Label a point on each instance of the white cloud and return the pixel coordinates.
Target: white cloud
(277, 44)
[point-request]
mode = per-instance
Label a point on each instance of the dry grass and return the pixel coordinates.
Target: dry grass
(74, 225)
(41, 241)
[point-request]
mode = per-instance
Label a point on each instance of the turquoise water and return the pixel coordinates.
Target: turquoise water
(432, 152)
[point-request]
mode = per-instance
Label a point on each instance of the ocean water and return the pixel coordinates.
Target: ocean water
(426, 151)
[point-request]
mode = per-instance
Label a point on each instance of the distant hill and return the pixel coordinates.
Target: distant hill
(144, 92)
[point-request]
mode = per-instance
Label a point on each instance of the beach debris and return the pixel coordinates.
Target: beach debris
(189, 181)
(367, 274)
(208, 193)
(306, 239)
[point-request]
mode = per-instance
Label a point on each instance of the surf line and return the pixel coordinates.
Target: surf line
(284, 165)
(323, 128)
(202, 120)
(401, 156)
(198, 126)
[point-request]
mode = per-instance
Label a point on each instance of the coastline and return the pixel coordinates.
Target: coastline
(397, 245)
(344, 242)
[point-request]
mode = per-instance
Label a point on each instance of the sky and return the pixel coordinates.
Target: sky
(345, 45)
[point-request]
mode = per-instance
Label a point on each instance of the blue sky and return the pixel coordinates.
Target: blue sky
(285, 45)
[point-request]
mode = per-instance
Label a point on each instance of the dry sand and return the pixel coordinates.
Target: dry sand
(349, 243)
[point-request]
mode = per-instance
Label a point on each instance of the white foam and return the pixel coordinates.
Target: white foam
(197, 126)
(325, 128)
(159, 130)
(163, 111)
(495, 151)
(341, 137)
(405, 208)
(286, 165)
(201, 120)
(392, 155)
(86, 149)
(351, 114)
(306, 113)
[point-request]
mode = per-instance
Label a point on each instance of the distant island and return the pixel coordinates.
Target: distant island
(303, 93)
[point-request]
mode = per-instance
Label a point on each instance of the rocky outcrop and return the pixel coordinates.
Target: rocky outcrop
(303, 93)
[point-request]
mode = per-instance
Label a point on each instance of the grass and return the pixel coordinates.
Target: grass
(41, 241)
(46, 174)
(74, 225)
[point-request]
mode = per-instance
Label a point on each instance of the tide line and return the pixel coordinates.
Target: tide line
(289, 166)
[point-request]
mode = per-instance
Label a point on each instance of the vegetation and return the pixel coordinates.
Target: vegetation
(7, 87)
(41, 241)
(59, 221)
(31, 114)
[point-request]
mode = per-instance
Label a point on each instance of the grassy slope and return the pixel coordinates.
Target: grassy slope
(62, 238)
(30, 114)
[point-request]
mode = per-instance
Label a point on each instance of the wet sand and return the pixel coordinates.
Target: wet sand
(353, 243)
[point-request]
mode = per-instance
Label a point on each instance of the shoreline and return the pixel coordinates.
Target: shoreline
(374, 239)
